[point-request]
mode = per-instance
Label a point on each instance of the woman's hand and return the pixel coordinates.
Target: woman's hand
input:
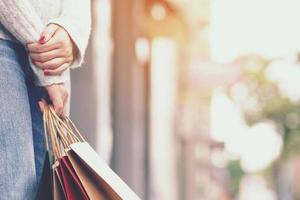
(59, 96)
(54, 52)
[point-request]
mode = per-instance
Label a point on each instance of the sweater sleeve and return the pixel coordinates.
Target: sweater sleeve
(22, 21)
(75, 18)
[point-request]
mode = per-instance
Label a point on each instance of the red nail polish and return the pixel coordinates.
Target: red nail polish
(46, 73)
(42, 39)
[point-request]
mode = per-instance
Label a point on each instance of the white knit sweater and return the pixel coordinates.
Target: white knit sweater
(24, 20)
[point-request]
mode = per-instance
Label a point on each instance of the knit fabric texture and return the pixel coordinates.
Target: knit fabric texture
(24, 20)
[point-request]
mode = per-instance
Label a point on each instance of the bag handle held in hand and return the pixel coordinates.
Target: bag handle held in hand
(68, 125)
(61, 131)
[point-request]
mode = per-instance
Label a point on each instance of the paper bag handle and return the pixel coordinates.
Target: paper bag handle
(61, 131)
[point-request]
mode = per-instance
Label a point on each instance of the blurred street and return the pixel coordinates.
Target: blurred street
(195, 99)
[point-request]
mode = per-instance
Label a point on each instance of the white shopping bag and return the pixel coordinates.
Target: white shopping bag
(96, 176)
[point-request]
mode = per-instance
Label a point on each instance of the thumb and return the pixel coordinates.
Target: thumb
(47, 34)
(58, 105)
(42, 104)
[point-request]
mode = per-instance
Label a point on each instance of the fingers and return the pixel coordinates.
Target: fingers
(58, 95)
(56, 51)
(47, 34)
(53, 43)
(57, 102)
(60, 39)
(52, 64)
(58, 106)
(66, 96)
(46, 56)
(40, 48)
(42, 104)
(42, 45)
(56, 71)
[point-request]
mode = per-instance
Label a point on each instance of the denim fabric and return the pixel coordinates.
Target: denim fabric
(22, 147)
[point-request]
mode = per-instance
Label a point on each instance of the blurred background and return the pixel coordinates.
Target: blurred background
(195, 99)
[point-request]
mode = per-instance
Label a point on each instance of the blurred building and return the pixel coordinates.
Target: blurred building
(132, 97)
(144, 97)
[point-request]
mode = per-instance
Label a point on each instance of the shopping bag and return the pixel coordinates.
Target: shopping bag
(104, 179)
(115, 188)
(73, 187)
(54, 182)
(66, 184)
(84, 175)
(58, 190)
(44, 189)
(92, 186)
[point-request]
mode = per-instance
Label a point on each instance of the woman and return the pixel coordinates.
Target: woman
(39, 41)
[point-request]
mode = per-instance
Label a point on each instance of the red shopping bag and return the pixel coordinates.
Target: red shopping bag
(79, 173)
(59, 192)
(72, 185)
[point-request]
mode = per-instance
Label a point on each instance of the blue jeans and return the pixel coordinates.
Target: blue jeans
(22, 146)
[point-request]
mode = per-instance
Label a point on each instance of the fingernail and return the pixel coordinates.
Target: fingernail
(42, 39)
(46, 73)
